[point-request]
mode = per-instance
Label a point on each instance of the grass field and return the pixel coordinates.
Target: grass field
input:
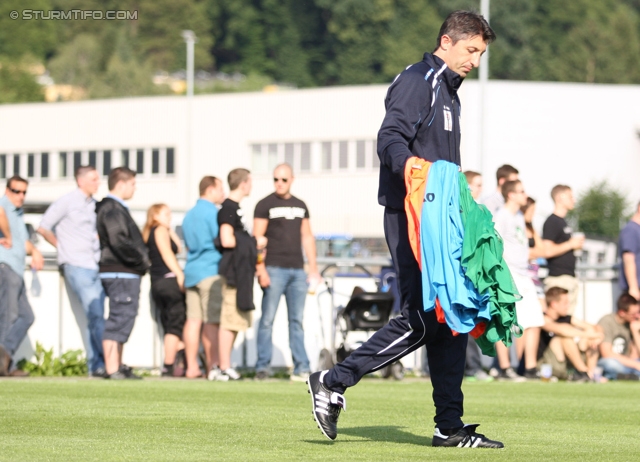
(154, 419)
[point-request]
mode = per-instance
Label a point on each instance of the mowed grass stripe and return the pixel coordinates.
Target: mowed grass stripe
(66, 419)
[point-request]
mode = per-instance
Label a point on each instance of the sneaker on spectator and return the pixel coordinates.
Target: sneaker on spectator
(578, 376)
(117, 375)
(262, 375)
(480, 376)
(531, 374)
(214, 373)
(466, 437)
(509, 374)
(494, 372)
(99, 373)
(228, 374)
(128, 372)
(632, 377)
(326, 405)
(299, 377)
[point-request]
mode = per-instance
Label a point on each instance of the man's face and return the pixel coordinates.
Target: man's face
(129, 187)
(282, 179)
(519, 196)
(217, 192)
(562, 305)
(247, 185)
(567, 200)
(464, 55)
(16, 192)
(89, 182)
(633, 314)
(476, 187)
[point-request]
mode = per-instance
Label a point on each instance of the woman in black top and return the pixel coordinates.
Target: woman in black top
(167, 285)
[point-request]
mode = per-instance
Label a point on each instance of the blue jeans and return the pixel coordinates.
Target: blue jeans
(86, 284)
(611, 367)
(16, 315)
(292, 283)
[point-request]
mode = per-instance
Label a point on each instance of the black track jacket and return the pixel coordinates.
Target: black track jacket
(422, 120)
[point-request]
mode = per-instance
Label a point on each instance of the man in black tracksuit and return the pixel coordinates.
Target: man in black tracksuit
(422, 120)
(123, 261)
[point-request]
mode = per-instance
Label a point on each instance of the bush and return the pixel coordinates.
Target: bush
(71, 363)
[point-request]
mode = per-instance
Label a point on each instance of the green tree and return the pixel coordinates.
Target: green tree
(78, 62)
(17, 85)
(600, 210)
(20, 37)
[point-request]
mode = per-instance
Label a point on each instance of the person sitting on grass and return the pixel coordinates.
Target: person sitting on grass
(558, 339)
(618, 354)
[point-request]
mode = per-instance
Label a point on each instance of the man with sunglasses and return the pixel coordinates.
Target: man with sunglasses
(16, 315)
(284, 220)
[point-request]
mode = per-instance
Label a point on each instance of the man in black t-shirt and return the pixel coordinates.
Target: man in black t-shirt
(559, 245)
(237, 269)
(284, 220)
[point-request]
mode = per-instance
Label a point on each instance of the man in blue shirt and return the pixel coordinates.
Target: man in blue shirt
(202, 282)
(16, 315)
(629, 248)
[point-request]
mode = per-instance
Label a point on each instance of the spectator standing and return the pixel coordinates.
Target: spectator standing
(620, 349)
(284, 220)
(565, 337)
(204, 285)
(509, 222)
(123, 261)
(16, 315)
(237, 267)
(495, 200)
(69, 224)
(474, 179)
(559, 245)
(167, 284)
(431, 86)
(473, 368)
(629, 248)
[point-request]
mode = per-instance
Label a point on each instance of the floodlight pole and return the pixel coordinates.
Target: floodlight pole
(190, 39)
(483, 78)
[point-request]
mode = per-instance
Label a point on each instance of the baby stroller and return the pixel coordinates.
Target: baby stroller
(353, 323)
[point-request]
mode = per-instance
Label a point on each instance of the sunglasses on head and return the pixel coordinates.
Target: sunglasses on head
(284, 180)
(18, 191)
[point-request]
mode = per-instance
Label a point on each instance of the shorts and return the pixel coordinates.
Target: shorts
(528, 309)
(204, 300)
(231, 317)
(559, 368)
(124, 298)
(565, 282)
(169, 301)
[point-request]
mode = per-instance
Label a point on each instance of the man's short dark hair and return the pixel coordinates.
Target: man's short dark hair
(625, 301)
(461, 25)
(509, 187)
(470, 175)
(119, 174)
(559, 189)
(554, 294)
(206, 182)
(83, 170)
(505, 171)
(236, 177)
(17, 178)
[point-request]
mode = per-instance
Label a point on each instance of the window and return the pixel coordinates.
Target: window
(288, 154)
(155, 160)
(16, 164)
(44, 165)
(170, 161)
(3, 165)
(257, 160)
(125, 157)
(272, 159)
(77, 160)
(31, 165)
(374, 155)
(326, 155)
(106, 162)
(343, 155)
(305, 157)
(139, 160)
(92, 158)
(360, 154)
(62, 165)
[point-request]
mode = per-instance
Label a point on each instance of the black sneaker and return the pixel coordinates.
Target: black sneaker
(117, 375)
(578, 376)
(99, 373)
(128, 372)
(326, 405)
(261, 375)
(531, 374)
(510, 375)
(465, 438)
